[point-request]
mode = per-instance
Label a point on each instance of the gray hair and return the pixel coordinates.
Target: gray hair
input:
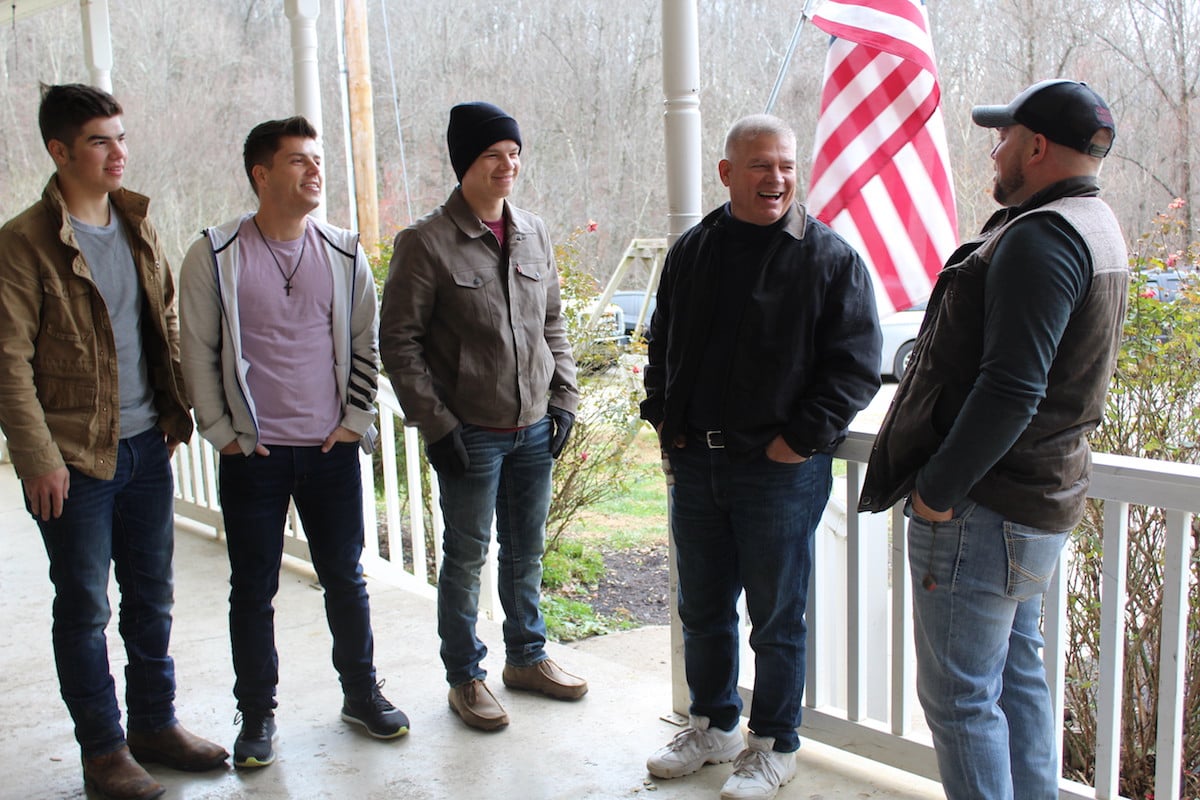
(753, 126)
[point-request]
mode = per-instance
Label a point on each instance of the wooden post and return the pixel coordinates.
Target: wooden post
(362, 124)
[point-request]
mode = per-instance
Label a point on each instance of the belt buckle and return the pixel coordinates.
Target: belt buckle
(715, 440)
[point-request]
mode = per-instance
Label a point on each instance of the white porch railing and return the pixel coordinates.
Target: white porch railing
(874, 716)
(399, 529)
(861, 689)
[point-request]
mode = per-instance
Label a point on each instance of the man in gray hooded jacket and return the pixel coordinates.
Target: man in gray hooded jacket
(278, 329)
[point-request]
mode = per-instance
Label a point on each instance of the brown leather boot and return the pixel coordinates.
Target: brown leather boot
(176, 747)
(116, 776)
(477, 706)
(546, 677)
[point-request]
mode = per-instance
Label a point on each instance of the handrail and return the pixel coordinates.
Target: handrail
(859, 615)
(877, 715)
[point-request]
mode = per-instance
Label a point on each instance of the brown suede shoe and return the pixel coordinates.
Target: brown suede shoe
(116, 776)
(546, 677)
(174, 746)
(474, 702)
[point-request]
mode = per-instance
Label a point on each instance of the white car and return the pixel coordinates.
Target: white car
(899, 337)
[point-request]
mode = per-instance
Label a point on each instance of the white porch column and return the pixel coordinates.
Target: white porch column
(97, 42)
(681, 120)
(681, 89)
(306, 79)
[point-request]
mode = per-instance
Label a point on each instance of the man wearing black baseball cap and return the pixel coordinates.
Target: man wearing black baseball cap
(472, 335)
(987, 437)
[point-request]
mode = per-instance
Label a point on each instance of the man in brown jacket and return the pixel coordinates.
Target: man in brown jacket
(92, 404)
(472, 336)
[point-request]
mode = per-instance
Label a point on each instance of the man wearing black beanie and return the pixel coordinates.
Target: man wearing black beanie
(472, 336)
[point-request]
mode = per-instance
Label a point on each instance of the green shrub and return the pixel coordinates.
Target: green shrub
(590, 468)
(1153, 412)
(570, 564)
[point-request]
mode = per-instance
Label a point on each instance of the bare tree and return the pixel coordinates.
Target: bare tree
(1160, 41)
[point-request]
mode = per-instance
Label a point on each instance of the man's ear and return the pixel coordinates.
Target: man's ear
(1038, 147)
(59, 151)
(723, 170)
(259, 172)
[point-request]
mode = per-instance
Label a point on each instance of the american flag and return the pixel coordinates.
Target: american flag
(881, 170)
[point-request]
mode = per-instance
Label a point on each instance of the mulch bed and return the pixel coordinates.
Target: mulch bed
(635, 585)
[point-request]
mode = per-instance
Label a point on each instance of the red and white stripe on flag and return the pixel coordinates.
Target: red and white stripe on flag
(881, 169)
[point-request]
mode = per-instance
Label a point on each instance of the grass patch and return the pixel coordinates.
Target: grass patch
(570, 564)
(638, 517)
(568, 572)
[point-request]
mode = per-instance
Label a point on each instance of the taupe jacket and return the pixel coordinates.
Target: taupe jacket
(471, 333)
(59, 400)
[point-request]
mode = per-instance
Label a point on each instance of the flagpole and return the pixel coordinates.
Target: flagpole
(787, 58)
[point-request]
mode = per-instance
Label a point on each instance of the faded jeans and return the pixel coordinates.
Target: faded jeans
(980, 676)
(508, 477)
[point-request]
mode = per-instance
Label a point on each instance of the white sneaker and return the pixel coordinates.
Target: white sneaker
(692, 748)
(759, 771)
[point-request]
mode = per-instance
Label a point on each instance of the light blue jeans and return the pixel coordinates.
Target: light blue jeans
(509, 476)
(980, 675)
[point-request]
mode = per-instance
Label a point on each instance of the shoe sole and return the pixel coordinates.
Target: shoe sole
(480, 723)
(782, 784)
(91, 784)
(566, 693)
(714, 758)
(144, 757)
(669, 774)
(401, 731)
(251, 762)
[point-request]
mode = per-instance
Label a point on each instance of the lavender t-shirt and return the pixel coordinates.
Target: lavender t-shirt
(288, 338)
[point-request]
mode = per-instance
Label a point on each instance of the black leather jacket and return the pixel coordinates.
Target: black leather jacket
(806, 347)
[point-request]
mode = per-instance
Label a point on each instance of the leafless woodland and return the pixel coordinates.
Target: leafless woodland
(585, 81)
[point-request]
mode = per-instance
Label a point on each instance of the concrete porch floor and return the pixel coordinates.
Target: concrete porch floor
(593, 748)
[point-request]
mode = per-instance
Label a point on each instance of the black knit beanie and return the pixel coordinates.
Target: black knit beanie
(474, 127)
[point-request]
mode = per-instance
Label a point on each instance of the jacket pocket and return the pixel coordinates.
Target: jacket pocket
(67, 311)
(475, 300)
(530, 287)
(65, 394)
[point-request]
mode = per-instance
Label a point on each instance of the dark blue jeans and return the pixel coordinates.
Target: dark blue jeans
(509, 478)
(327, 489)
(127, 521)
(746, 526)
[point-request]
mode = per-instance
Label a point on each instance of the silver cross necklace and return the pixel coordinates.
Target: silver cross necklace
(287, 277)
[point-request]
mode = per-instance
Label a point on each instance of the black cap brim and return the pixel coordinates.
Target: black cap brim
(993, 116)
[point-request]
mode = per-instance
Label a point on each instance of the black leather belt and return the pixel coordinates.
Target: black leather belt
(713, 440)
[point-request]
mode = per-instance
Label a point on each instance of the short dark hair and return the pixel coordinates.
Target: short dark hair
(66, 108)
(263, 142)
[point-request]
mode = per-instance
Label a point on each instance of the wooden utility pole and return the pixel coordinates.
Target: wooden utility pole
(362, 124)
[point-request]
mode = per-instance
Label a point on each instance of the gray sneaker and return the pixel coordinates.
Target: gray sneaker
(693, 747)
(759, 771)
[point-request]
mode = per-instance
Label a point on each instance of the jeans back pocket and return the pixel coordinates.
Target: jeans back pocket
(1032, 557)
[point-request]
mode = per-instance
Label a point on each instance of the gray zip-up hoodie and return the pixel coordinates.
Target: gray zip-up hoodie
(211, 343)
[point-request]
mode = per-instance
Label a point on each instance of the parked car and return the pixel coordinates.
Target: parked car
(631, 303)
(1163, 284)
(899, 337)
